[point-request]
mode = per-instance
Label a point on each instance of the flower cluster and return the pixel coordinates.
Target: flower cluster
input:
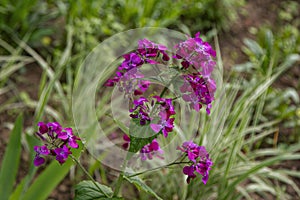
(158, 108)
(196, 53)
(196, 59)
(199, 87)
(57, 142)
(198, 91)
(148, 151)
(128, 77)
(200, 161)
(141, 110)
(166, 115)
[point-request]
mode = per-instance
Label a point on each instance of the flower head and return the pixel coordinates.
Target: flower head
(40, 150)
(67, 135)
(57, 142)
(166, 113)
(150, 150)
(62, 154)
(197, 53)
(201, 162)
(198, 91)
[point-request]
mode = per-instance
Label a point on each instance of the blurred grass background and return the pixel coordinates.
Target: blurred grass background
(43, 43)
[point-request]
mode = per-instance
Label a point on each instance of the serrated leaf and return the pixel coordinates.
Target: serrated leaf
(86, 190)
(10, 162)
(141, 185)
(140, 135)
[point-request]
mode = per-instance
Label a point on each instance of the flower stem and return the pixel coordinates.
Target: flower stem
(90, 177)
(121, 178)
(157, 168)
(168, 85)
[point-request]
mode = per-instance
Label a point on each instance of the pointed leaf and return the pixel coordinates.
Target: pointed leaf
(141, 185)
(10, 162)
(140, 135)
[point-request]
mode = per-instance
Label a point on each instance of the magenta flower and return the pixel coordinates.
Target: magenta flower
(67, 135)
(201, 162)
(150, 49)
(57, 140)
(50, 128)
(140, 111)
(166, 124)
(62, 154)
(43, 128)
(40, 150)
(132, 60)
(150, 150)
(197, 53)
(166, 112)
(198, 91)
(126, 138)
(189, 171)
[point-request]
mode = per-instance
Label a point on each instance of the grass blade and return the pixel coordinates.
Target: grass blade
(10, 162)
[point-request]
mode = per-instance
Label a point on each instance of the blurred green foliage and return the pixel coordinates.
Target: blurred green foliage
(58, 34)
(95, 20)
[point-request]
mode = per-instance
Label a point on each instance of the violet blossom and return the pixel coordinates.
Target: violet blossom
(57, 142)
(200, 161)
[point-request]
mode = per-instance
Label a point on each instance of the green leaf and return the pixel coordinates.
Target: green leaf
(18, 190)
(87, 190)
(10, 162)
(140, 135)
(141, 185)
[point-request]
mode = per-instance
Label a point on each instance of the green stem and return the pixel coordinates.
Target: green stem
(119, 183)
(167, 86)
(121, 178)
(90, 177)
(157, 168)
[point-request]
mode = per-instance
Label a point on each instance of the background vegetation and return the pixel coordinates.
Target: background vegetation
(42, 44)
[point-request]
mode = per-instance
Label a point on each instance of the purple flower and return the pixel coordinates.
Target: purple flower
(111, 82)
(203, 168)
(150, 49)
(40, 150)
(132, 60)
(53, 128)
(57, 142)
(166, 112)
(38, 161)
(43, 128)
(150, 150)
(198, 91)
(67, 135)
(140, 111)
(128, 77)
(189, 171)
(50, 128)
(166, 124)
(143, 85)
(201, 162)
(126, 138)
(130, 82)
(197, 53)
(62, 154)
